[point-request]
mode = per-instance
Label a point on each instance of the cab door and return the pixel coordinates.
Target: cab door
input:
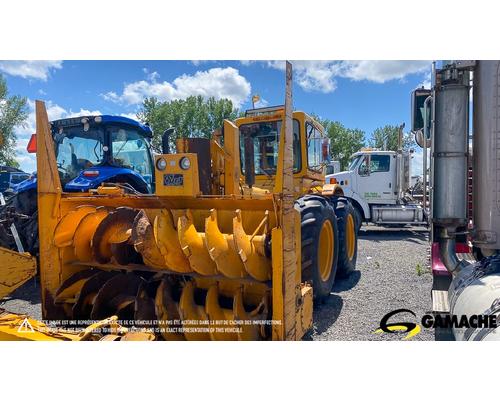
(376, 178)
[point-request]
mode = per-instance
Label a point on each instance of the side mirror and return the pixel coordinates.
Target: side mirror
(418, 112)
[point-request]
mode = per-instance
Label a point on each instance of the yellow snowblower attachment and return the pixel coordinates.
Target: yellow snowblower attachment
(210, 256)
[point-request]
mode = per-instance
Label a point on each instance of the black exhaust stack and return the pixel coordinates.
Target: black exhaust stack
(165, 139)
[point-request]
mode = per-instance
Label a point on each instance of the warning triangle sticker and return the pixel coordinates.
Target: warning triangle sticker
(25, 327)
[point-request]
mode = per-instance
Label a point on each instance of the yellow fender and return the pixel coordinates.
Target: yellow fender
(167, 240)
(216, 314)
(190, 311)
(222, 249)
(84, 233)
(66, 227)
(251, 251)
(193, 245)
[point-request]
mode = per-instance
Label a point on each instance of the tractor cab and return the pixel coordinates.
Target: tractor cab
(260, 132)
(91, 150)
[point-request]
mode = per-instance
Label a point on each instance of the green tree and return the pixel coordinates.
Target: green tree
(191, 117)
(12, 113)
(386, 138)
(344, 142)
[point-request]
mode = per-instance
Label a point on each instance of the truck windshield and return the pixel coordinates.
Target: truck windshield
(77, 150)
(130, 150)
(354, 162)
(260, 141)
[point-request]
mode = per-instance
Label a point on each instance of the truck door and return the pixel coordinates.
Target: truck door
(376, 178)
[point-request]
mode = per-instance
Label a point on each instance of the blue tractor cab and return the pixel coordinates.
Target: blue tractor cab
(92, 150)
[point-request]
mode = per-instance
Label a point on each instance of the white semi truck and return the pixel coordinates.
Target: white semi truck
(378, 184)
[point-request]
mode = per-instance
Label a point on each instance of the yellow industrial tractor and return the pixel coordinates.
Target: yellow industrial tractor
(238, 240)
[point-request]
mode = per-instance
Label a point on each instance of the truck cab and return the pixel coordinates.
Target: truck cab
(375, 179)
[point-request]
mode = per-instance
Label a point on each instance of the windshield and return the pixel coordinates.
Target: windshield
(354, 162)
(130, 150)
(115, 145)
(77, 150)
(260, 142)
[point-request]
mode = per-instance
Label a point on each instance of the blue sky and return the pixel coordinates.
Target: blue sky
(360, 94)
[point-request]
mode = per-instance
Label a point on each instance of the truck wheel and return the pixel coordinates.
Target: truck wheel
(358, 219)
(319, 234)
(348, 237)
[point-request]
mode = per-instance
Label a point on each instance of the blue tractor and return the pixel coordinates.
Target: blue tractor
(90, 151)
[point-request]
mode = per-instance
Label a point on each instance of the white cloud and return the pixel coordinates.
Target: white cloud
(312, 75)
(130, 115)
(26, 160)
(30, 69)
(217, 82)
(321, 75)
(152, 76)
(382, 71)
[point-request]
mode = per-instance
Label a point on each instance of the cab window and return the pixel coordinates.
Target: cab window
(374, 163)
(379, 163)
(130, 150)
(260, 141)
(314, 147)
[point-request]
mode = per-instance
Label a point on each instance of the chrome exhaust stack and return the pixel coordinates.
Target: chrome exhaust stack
(450, 158)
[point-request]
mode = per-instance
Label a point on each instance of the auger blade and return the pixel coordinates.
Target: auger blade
(167, 240)
(193, 245)
(65, 229)
(88, 292)
(145, 304)
(251, 251)
(249, 332)
(192, 312)
(221, 249)
(167, 311)
(71, 287)
(111, 238)
(85, 231)
(216, 314)
(116, 297)
(144, 241)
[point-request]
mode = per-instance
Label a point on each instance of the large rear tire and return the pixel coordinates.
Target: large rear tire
(319, 233)
(348, 237)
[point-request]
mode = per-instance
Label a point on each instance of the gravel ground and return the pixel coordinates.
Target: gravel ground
(25, 300)
(391, 273)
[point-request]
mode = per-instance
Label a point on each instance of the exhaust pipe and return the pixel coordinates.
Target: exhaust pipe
(447, 252)
(165, 140)
(449, 155)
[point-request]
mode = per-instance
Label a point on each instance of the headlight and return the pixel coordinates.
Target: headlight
(185, 163)
(161, 164)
